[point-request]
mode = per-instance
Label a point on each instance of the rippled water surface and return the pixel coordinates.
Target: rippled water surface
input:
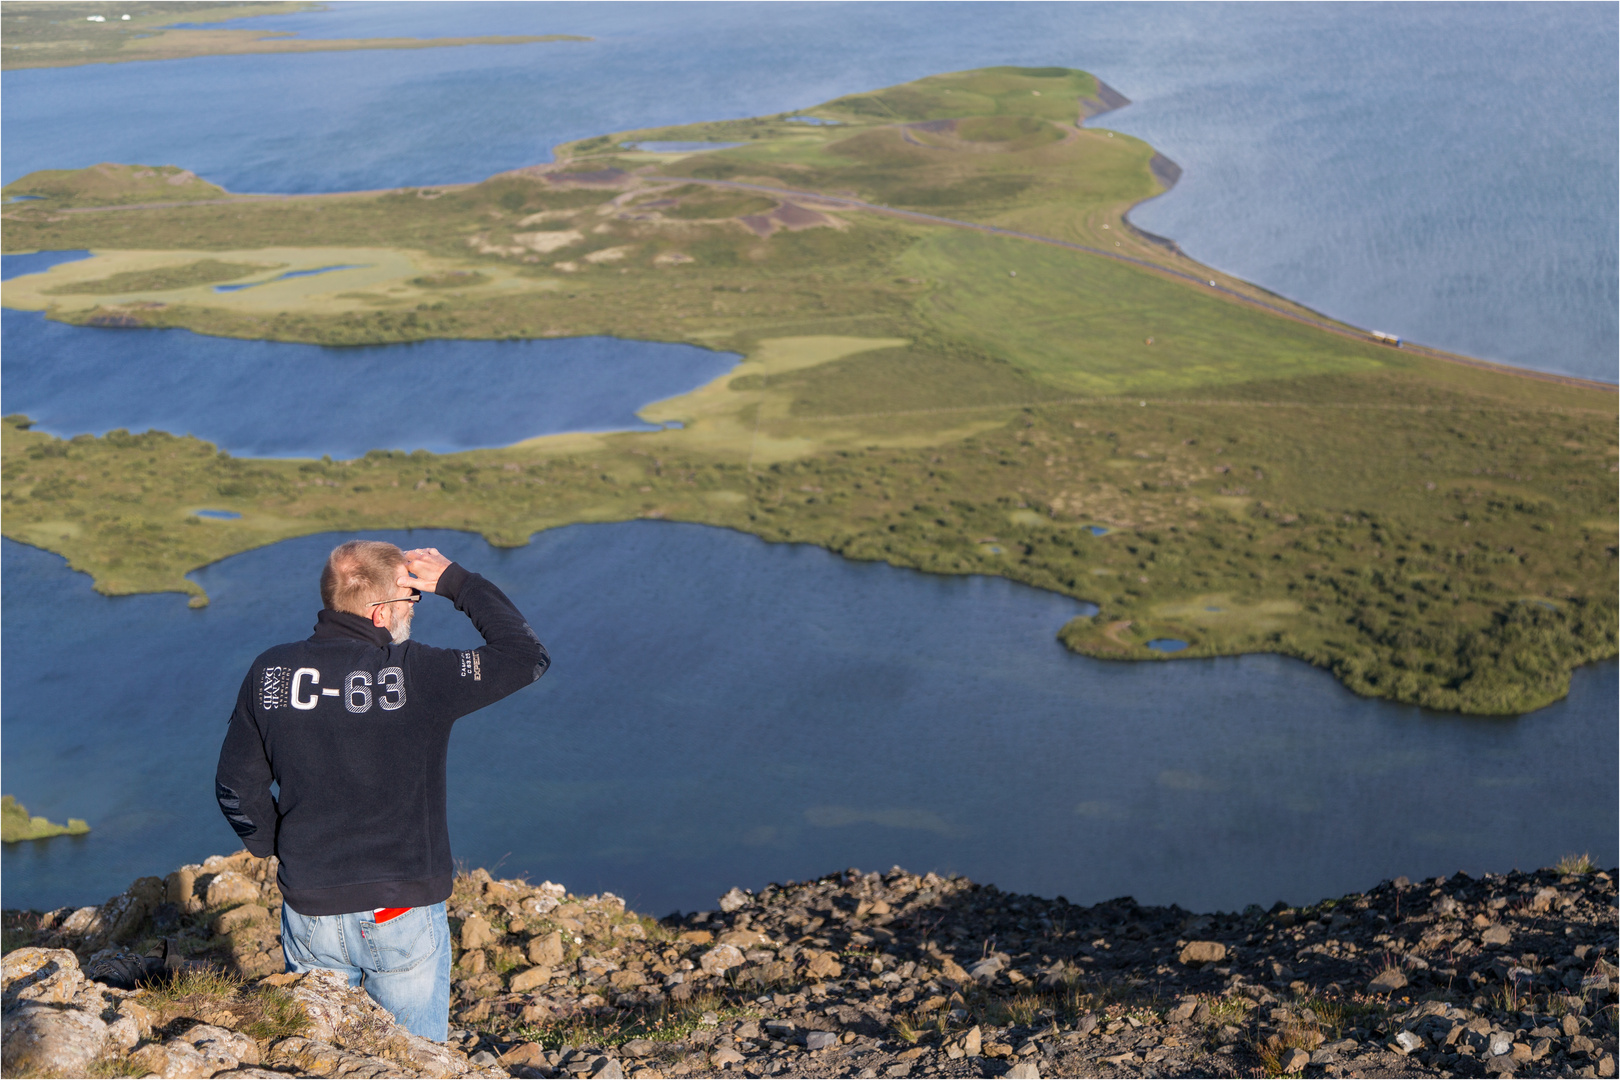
(1444, 172)
(273, 399)
(724, 711)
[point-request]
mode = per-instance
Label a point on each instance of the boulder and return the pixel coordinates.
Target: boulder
(40, 1038)
(530, 978)
(47, 976)
(231, 887)
(1202, 952)
(822, 965)
(238, 917)
(546, 951)
(1387, 981)
(720, 959)
(476, 932)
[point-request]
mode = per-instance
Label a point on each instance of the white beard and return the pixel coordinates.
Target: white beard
(401, 630)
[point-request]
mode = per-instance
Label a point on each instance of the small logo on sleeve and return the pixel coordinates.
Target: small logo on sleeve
(274, 687)
(472, 664)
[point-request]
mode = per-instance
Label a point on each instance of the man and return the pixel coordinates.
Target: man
(353, 725)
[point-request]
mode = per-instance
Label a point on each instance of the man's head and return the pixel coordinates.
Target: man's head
(362, 578)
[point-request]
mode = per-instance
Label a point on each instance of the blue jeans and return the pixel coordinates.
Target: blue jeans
(404, 964)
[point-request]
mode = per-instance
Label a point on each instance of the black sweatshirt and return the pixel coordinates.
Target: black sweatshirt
(355, 730)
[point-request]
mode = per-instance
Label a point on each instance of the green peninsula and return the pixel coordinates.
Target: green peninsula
(960, 357)
(16, 824)
(49, 33)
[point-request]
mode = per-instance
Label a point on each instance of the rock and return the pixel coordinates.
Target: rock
(1544, 899)
(231, 887)
(222, 1043)
(177, 1059)
(744, 939)
(48, 976)
(1387, 981)
(1496, 936)
(973, 1041)
(530, 978)
(954, 971)
(823, 966)
(986, 970)
(640, 1048)
(181, 889)
(476, 932)
(546, 951)
(530, 1054)
(1405, 1042)
(40, 1037)
(725, 1056)
(819, 1040)
(1024, 1070)
(733, 900)
(1202, 952)
(720, 959)
(1570, 1025)
(1293, 1061)
(1182, 1011)
(316, 1058)
(237, 917)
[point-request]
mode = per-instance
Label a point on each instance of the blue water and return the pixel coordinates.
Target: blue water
(36, 263)
(218, 515)
(270, 399)
(283, 277)
(1444, 172)
(791, 714)
(1167, 645)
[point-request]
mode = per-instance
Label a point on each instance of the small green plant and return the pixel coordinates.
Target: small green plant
(273, 1014)
(113, 1065)
(904, 1030)
(1575, 864)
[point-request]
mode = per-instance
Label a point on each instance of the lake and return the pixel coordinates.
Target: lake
(1443, 172)
(272, 399)
(725, 711)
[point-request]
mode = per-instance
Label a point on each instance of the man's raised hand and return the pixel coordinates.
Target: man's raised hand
(423, 567)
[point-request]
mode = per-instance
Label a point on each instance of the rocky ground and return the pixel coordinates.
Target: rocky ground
(866, 975)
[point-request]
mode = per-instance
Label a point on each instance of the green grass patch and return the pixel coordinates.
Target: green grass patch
(202, 272)
(16, 824)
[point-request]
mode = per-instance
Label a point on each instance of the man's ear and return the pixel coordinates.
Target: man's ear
(379, 616)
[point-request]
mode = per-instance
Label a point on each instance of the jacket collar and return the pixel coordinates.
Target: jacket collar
(330, 625)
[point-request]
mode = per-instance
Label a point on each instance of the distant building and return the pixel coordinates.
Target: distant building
(1387, 339)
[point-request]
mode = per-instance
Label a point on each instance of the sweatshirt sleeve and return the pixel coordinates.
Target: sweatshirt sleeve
(510, 658)
(242, 781)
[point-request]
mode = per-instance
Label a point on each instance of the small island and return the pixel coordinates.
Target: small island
(17, 825)
(960, 357)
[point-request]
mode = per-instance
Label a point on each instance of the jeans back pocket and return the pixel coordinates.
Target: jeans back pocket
(401, 943)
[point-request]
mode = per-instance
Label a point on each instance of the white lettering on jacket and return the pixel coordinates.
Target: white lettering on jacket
(357, 691)
(298, 701)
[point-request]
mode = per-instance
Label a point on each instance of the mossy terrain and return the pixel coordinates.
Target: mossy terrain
(16, 824)
(46, 33)
(109, 184)
(932, 396)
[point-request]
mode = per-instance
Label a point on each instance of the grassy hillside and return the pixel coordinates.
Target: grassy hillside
(1100, 423)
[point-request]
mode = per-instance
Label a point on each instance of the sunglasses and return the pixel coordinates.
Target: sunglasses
(416, 595)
